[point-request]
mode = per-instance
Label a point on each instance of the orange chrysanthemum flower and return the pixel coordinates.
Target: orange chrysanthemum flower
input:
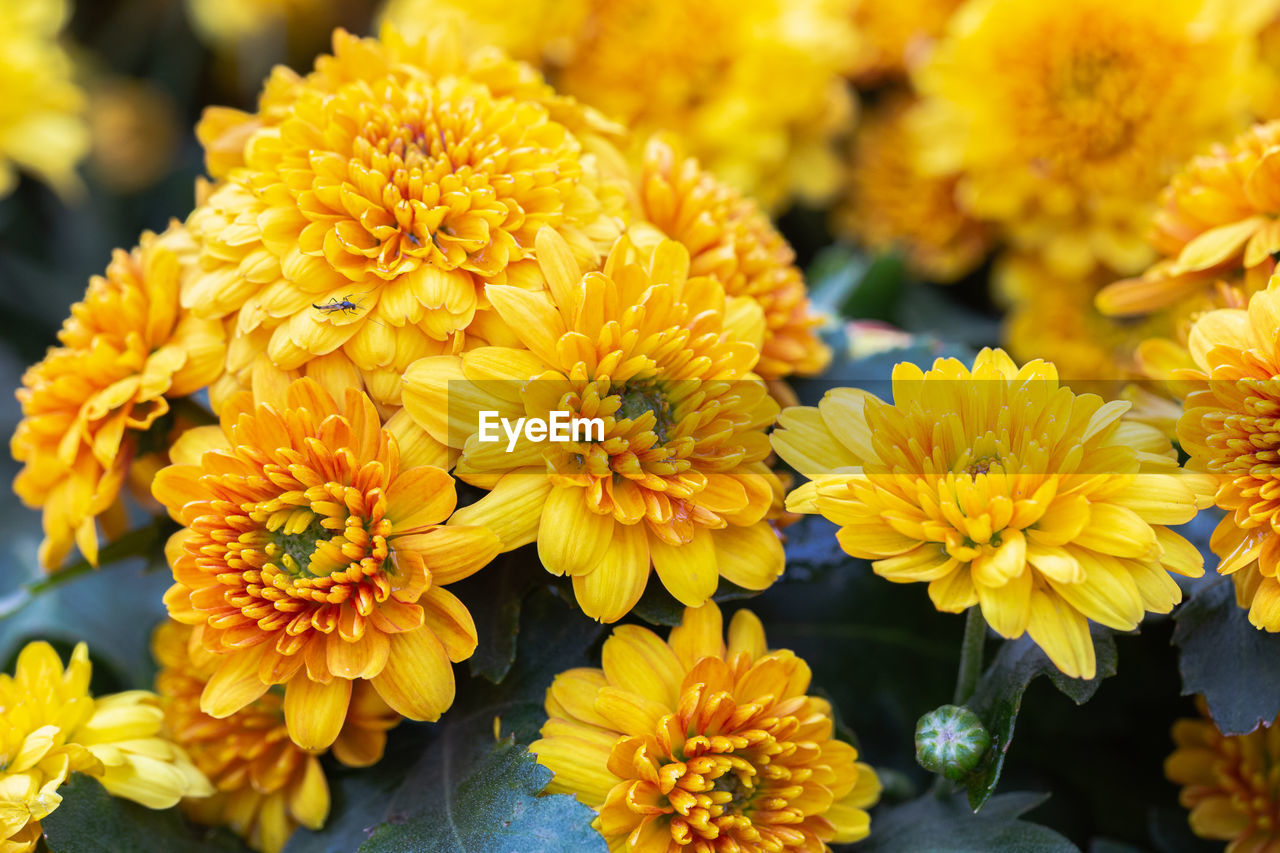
(731, 240)
(677, 480)
(999, 487)
(379, 195)
(699, 744)
(313, 559)
(267, 786)
(1228, 782)
(126, 350)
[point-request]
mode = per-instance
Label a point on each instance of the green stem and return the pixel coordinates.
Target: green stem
(975, 635)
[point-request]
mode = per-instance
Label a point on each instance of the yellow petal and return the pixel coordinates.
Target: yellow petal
(700, 634)
(751, 556)
(688, 571)
(417, 681)
(610, 591)
(314, 712)
(572, 539)
(1063, 633)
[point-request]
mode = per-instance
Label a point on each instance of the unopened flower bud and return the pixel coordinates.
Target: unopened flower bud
(951, 740)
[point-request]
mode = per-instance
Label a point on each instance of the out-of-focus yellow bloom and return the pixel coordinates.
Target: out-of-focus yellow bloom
(266, 786)
(381, 193)
(1066, 119)
(535, 31)
(1227, 782)
(135, 133)
(314, 556)
(893, 36)
(678, 483)
(702, 744)
(225, 23)
(892, 204)
(1001, 488)
(51, 727)
(732, 241)
(125, 351)
(42, 128)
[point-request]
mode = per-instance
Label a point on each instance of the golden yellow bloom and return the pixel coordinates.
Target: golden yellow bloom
(266, 785)
(677, 481)
(126, 349)
(710, 72)
(50, 727)
(42, 126)
(892, 204)
(732, 241)
(533, 31)
(314, 559)
(135, 132)
(895, 35)
(703, 744)
(226, 23)
(1227, 782)
(1066, 119)
(380, 194)
(1003, 489)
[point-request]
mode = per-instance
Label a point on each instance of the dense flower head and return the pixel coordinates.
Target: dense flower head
(677, 481)
(999, 487)
(313, 556)
(42, 126)
(1064, 120)
(51, 726)
(891, 203)
(1228, 782)
(379, 195)
(534, 31)
(266, 785)
(731, 240)
(126, 350)
(895, 35)
(704, 744)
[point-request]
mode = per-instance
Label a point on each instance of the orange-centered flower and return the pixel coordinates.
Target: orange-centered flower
(266, 785)
(312, 559)
(999, 487)
(702, 744)
(124, 352)
(677, 479)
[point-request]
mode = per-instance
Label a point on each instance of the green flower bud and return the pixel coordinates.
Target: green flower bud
(951, 740)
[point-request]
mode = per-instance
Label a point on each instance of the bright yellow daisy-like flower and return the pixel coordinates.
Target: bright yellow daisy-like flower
(999, 487)
(379, 195)
(266, 785)
(702, 744)
(533, 31)
(676, 476)
(42, 126)
(731, 240)
(313, 558)
(51, 727)
(891, 204)
(1066, 119)
(125, 351)
(895, 35)
(1227, 782)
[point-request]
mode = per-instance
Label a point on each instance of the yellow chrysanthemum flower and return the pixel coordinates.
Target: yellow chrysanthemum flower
(1066, 119)
(895, 35)
(266, 786)
(314, 557)
(535, 31)
(380, 194)
(125, 351)
(731, 240)
(677, 480)
(50, 727)
(891, 203)
(1003, 489)
(227, 23)
(703, 744)
(42, 127)
(1227, 782)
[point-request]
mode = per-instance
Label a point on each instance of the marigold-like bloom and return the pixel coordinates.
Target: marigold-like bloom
(1065, 120)
(51, 727)
(126, 349)
(702, 744)
(892, 204)
(313, 558)
(678, 481)
(1003, 489)
(266, 785)
(731, 240)
(895, 35)
(1227, 782)
(379, 195)
(535, 31)
(42, 127)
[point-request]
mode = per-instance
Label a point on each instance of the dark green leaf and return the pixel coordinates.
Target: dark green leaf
(659, 607)
(1233, 664)
(948, 826)
(878, 294)
(494, 598)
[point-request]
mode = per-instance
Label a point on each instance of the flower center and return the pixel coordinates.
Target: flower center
(646, 396)
(291, 548)
(981, 465)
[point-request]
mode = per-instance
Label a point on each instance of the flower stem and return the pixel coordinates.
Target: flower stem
(975, 635)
